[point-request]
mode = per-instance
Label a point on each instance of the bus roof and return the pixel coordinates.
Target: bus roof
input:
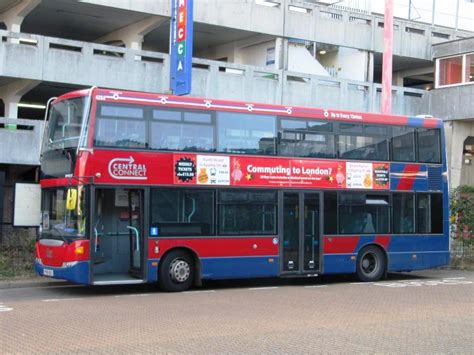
(198, 103)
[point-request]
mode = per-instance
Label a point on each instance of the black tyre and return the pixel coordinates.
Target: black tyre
(176, 272)
(371, 264)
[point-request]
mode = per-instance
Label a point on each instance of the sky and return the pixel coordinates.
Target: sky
(421, 10)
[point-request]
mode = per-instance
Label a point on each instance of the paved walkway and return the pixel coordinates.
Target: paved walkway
(423, 312)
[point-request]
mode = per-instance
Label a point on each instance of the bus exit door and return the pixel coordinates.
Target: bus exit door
(300, 215)
(117, 243)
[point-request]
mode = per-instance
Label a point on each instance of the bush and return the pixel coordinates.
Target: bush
(16, 261)
(462, 217)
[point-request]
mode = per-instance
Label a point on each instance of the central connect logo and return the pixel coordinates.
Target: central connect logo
(127, 169)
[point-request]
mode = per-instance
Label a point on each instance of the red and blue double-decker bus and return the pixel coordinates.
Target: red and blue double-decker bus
(140, 187)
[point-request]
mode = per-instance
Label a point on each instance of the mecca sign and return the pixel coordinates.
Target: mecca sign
(181, 46)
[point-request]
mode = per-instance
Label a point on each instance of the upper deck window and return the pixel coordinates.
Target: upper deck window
(167, 115)
(429, 146)
(121, 111)
(403, 144)
(364, 142)
(62, 137)
(65, 122)
(245, 133)
(120, 126)
(306, 139)
(182, 131)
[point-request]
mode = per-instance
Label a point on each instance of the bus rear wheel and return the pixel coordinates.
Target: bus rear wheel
(371, 264)
(176, 272)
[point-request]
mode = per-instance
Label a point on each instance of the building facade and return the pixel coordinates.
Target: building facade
(452, 99)
(280, 51)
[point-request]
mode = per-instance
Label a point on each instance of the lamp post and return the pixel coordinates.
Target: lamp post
(386, 102)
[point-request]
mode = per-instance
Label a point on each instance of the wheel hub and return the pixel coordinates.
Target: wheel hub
(369, 263)
(179, 270)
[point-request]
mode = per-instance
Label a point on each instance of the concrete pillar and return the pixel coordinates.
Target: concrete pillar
(456, 133)
(281, 53)
(370, 67)
(397, 79)
(12, 93)
(14, 16)
(133, 35)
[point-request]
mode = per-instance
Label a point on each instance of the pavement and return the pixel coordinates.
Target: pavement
(30, 282)
(422, 312)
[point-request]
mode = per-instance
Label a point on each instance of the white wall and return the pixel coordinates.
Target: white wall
(251, 51)
(300, 60)
(256, 54)
(223, 51)
(349, 63)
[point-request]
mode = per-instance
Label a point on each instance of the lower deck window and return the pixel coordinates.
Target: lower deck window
(363, 214)
(178, 212)
(403, 213)
(237, 212)
(429, 213)
(247, 212)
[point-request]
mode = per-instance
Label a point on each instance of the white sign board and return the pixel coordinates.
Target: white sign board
(213, 170)
(359, 176)
(27, 207)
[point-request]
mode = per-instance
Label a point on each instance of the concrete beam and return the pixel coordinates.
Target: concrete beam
(417, 71)
(133, 35)
(254, 40)
(398, 76)
(14, 16)
(12, 93)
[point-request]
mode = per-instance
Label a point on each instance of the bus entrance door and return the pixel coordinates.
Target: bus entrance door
(301, 232)
(117, 242)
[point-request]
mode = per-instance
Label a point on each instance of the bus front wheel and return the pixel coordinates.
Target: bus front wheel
(176, 272)
(371, 264)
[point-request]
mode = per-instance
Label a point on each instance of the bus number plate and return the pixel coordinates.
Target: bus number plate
(48, 272)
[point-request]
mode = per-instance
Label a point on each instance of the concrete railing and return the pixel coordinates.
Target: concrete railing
(20, 141)
(82, 63)
(88, 64)
(364, 31)
(304, 20)
(453, 102)
(221, 80)
(242, 82)
(328, 92)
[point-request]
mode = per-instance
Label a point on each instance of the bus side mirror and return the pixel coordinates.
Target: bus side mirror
(71, 199)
